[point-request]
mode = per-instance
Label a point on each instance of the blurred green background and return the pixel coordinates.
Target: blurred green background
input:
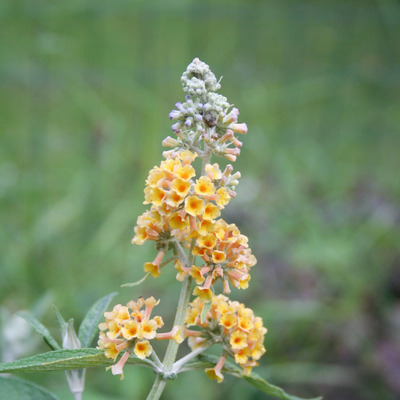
(85, 92)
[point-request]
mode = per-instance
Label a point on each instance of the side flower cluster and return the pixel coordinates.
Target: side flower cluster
(239, 331)
(130, 328)
(226, 255)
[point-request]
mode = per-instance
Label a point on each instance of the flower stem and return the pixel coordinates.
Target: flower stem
(172, 349)
(183, 304)
(157, 389)
(206, 158)
(156, 361)
(181, 254)
(180, 363)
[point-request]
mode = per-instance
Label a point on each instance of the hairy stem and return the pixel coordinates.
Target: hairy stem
(183, 304)
(156, 361)
(206, 158)
(181, 253)
(180, 363)
(172, 349)
(157, 389)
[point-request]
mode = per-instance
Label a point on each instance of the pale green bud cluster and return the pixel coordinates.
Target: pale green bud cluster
(198, 79)
(205, 115)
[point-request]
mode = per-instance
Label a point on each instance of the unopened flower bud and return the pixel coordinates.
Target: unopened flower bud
(168, 153)
(75, 377)
(236, 175)
(230, 157)
(228, 170)
(170, 142)
(176, 127)
(228, 135)
(174, 114)
(234, 151)
(70, 340)
(231, 117)
(240, 128)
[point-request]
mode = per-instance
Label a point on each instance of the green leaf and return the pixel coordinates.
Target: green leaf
(203, 361)
(40, 329)
(62, 360)
(88, 328)
(61, 322)
(137, 282)
(14, 388)
(272, 390)
(205, 310)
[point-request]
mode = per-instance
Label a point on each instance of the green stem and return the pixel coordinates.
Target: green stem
(183, 304)
(206, 158)
(172, 349)
(181, 254)
(180, 363)
(157, 389)
(156, 360)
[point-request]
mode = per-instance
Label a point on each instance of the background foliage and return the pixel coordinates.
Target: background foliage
(85, 91)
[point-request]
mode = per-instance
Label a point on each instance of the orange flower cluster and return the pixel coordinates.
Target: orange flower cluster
(240, 333)
(184, 208)
(226, 256)
(185, 214)
(128, 327)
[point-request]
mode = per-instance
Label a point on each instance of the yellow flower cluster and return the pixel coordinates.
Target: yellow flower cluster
(240, 333)
(183, 209)
(180, 205)
(226, 255)
(184, 213)
(129, 327)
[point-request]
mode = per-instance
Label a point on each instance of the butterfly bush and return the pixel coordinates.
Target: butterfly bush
(184, 219)
(185, 195)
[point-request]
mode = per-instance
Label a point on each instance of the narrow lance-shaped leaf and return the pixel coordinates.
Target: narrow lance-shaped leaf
(62, 360)
(88, 328)
(14, 388)
(270, 389)
(60, 320)
(203, 361)
(40, 328)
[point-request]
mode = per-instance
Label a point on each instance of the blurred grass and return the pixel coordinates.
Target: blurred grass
(85, 92)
